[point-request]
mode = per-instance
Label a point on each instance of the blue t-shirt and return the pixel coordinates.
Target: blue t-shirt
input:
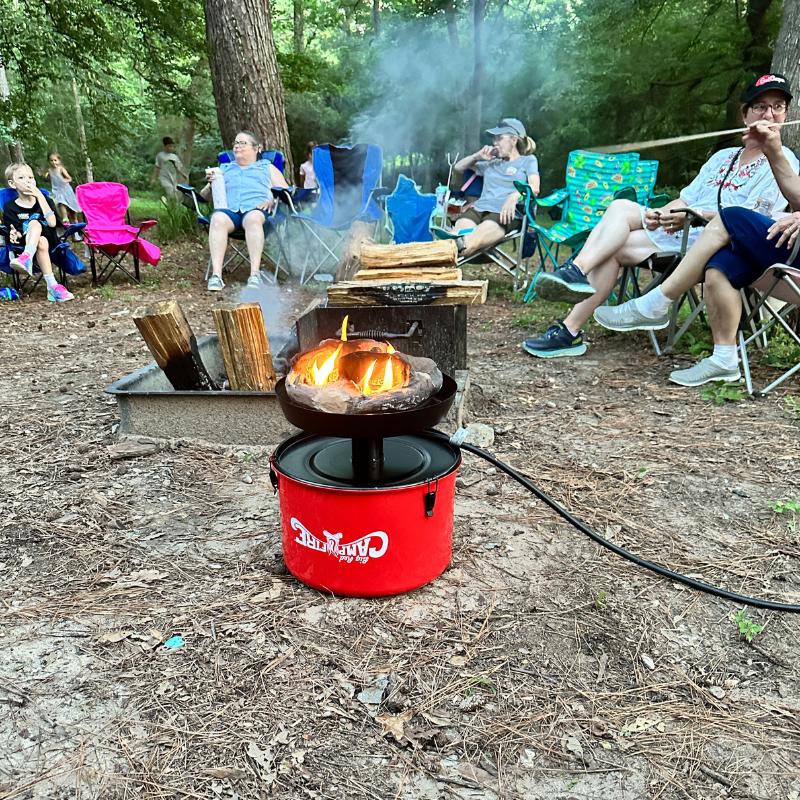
(247, 187)
(498, 180)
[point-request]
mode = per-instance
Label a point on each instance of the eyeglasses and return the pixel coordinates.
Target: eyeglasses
(241, 143)
(777, 108)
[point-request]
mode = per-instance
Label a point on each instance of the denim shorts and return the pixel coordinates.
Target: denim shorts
(749, 253)
(237, 217)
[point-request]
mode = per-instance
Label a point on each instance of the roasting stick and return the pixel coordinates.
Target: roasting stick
(624, 148)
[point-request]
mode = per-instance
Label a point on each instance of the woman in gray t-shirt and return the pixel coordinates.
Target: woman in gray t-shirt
(509, 159)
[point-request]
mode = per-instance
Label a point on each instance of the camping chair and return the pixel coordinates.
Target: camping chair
(237, 256)
(592, 180)
(348, 178)
(109, 236)
(780, 282)
(64, 260)
(408, 212)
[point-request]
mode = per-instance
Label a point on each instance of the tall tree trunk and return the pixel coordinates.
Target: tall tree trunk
(376, 17)
(188, 142)
(244, 73)
(475, 115)
(82, 132)
(299, 26)
(15, 151)
(452, 26)
(786, 60)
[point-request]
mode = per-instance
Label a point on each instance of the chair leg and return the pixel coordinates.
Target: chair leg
(748, 380)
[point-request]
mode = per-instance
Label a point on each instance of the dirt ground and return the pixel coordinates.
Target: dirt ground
(538, 666)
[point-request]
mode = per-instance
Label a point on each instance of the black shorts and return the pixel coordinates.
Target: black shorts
(481, 216)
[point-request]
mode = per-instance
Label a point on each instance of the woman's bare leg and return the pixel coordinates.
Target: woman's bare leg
(610, 235)
(219, 229)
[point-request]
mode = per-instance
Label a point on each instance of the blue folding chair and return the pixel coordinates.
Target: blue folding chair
(348, 178)
(61, 254)
(409, 212)
(237, 256)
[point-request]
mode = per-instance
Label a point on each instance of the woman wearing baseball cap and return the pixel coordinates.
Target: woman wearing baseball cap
(732, 251)
(628, 233)
(510, 158)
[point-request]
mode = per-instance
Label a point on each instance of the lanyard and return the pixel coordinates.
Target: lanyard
(733, 163)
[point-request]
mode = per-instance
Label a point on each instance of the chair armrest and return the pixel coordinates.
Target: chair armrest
(72, 229)
(695, 220)
(146, 224)
(553, 199)
(284, 195)
(657, 200)
(626, 193)
(192, 194)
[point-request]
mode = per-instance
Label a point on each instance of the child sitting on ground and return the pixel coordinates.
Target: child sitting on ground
(31, 221)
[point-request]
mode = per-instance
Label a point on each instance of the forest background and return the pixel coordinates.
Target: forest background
(421, 78)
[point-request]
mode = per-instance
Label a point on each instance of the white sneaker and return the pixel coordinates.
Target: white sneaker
(704, 371)
(254, 282)
(215, 284)
(627, 317)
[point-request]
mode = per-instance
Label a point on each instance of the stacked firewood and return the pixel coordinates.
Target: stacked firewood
(418, 273)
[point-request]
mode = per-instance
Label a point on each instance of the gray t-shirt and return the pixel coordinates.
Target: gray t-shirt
(498, 179)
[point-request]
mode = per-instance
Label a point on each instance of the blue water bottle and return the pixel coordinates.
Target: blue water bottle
(7, 293)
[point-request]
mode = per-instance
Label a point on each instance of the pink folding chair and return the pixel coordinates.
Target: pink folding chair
(108, 234)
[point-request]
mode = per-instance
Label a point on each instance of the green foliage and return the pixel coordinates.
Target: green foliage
(786, 506)
(720, 393)
(601, 601)
(176, 221)
(748, 628)
(791, 406)
(782, 351)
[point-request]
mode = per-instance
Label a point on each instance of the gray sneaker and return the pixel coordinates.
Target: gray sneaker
(215, 284)
(704, 371)
(628, 318)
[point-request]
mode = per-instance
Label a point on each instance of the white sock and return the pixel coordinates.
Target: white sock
(574, 333)
(653, 304)
(30, 249)
(725, 355)
(50, 280)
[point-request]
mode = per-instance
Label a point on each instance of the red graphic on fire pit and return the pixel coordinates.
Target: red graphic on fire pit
(359, 552)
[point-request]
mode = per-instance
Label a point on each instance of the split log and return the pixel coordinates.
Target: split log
(245, 347)
(406, 273)
(170, 338)
(415, 254)
(388, 293)
(358, 236)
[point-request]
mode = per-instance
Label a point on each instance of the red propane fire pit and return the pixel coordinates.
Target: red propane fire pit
(366, 499)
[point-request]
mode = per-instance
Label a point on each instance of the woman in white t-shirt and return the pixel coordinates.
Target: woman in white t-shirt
(510, 158)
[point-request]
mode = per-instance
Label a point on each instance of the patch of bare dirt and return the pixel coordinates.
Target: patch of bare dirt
(537, 666)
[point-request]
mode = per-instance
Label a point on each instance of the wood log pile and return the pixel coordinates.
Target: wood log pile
(419, 273)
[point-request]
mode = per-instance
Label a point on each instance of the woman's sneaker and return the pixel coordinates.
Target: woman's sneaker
(59, 294)
(215, 284)
(567, 284)
(23, 263)
(556, 341)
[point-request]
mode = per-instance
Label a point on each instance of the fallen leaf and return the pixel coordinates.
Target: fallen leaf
(114, 636)
(394, 723)
(648, 661)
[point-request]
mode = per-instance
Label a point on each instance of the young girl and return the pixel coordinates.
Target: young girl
(307, 174)
(63, 194)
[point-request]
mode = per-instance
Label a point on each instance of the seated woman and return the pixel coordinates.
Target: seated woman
(509, 159)
(629, 233)
(248, 184)
(732, 252)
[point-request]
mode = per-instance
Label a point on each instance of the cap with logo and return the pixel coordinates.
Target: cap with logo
(772, 82)
(508, 125)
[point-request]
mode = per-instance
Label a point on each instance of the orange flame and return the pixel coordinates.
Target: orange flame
(344, 328)
(322, 374)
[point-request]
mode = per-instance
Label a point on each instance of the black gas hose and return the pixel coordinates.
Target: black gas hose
(701, 586)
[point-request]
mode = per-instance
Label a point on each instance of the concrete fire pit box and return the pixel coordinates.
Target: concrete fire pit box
(149, 406)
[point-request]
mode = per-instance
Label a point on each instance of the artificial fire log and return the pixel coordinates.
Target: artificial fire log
(390, 293)
(407, 273)
(416, 254)
(169, 336)
(245, 347)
